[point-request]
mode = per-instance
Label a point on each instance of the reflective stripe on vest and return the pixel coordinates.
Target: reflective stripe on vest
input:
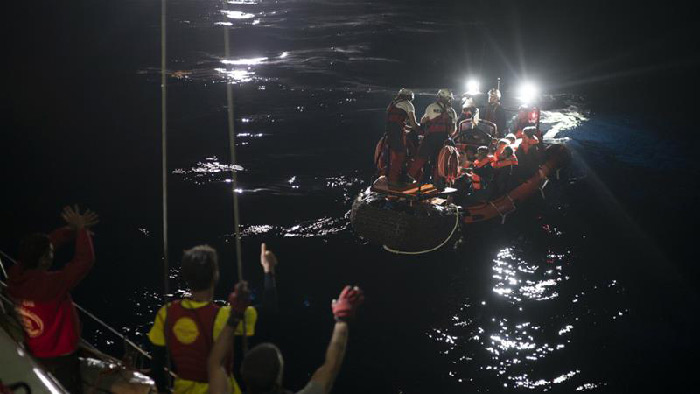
(190, 335)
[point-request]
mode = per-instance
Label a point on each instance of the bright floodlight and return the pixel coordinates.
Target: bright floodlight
(473, 87)
(528, 92)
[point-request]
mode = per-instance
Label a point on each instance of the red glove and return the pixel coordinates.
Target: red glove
(345, 306)
(239, 300)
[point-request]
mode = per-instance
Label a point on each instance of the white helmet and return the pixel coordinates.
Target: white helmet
(408, 93)
(445, 95)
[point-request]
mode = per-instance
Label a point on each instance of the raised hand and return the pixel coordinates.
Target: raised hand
(268, 260)
(346, 305)
(240, 298)
(78, 221)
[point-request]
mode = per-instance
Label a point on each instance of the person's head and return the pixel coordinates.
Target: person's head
(200, 267)
(262, 369)
(507, 152)
(529, 131)
(482, 151)
(405, 94)
(36, 252)
(511, 138)
(445, 96)
(502, 144)
(494, 96)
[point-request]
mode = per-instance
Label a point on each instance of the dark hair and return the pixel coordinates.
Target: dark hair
(199, 265)
(261, 369)
(508, 151)
(32, 248)
(530, 131)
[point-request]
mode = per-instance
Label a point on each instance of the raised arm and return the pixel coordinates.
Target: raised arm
(218, 381)
(268, 260)
(343, 310)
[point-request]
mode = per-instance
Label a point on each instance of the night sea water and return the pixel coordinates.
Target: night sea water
(593, 288)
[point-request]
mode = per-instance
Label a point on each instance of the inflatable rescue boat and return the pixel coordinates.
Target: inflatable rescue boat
(418, 218)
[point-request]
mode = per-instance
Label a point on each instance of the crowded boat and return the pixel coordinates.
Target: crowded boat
(451, 169)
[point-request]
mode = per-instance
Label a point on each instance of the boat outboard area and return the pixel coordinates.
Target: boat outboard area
(450, 170)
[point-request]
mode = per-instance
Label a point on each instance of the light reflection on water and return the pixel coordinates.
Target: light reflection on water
(527, 323)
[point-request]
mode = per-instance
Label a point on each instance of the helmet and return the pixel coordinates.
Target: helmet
(495, 93)
(445, 94)
(467, 101)
(408, 93)
(510, 135)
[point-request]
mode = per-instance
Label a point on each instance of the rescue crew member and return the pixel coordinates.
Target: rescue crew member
(400, 113)
(43, 300)
(187, 328)
(525, 117)
(263, 366)
(494, 113)
(441, 121)
(469, 117)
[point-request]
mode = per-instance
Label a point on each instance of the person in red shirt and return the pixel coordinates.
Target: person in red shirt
(42, 297)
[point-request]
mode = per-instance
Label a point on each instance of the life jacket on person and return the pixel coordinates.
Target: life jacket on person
(395, 117)
(190, 338)
(504, 161)
(441, 123)
(476, 181)
(51, 328)
(479, 163)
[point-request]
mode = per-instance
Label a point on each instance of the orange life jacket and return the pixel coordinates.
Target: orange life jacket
(476, 181)
(511, 161)
(478, 163)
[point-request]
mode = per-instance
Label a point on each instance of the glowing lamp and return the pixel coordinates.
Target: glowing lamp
(473, 87)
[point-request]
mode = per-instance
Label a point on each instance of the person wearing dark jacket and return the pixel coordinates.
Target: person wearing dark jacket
(494, 113)
(43, 300)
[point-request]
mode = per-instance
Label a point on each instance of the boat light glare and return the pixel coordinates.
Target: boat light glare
(528, 92)
(473, 87)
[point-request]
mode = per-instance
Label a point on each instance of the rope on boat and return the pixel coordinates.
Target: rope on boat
(164, 146)
(388, 249)
(234, 183)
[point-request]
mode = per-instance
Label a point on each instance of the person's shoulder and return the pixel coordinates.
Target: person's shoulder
(405, 105)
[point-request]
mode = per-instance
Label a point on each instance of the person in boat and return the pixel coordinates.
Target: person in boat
(400, 114)
(441, 122)
(527, 116)
(193, 324)
(528, 151)
(494, 113)
(469, 117)
(42, 297)
(505, 171)
(263, 366)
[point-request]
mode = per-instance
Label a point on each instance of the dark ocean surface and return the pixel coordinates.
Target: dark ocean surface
(593, 288)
